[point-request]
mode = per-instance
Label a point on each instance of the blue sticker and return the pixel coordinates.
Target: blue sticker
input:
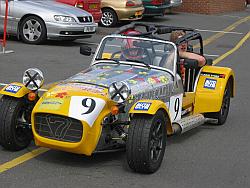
(210, 83)
(12, 88)
(142, 106)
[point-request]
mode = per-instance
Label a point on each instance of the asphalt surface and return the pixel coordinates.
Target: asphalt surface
(206, 157)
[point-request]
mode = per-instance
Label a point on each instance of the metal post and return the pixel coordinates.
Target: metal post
(5, 28)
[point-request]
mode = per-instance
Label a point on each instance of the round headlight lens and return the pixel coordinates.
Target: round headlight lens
(119, 92)
(33, 79)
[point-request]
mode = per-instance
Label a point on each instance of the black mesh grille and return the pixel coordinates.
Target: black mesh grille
(85, 19)
(58, 127)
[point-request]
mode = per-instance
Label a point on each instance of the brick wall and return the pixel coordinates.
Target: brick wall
(211, 6)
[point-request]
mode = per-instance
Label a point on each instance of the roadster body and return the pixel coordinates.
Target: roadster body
(132, 97)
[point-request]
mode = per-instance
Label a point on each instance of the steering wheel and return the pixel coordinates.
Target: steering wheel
(137, 53)
(114, 54)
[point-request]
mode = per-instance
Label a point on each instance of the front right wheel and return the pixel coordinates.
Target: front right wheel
(14, 115)
(146, 142)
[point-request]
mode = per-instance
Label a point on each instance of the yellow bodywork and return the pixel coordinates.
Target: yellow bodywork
(210, 100)
(91, 134)
(154, 107)
(19, 94)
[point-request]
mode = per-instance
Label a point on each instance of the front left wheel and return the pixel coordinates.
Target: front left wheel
(14, 135)
(146, 142)
(33, 30)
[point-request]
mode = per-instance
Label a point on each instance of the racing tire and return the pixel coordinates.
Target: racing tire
(12, 136)
(146, 142)
(33, 30)
(109, 18)
(221, 116)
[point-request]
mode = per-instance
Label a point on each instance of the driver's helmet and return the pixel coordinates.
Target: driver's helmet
(131, 48)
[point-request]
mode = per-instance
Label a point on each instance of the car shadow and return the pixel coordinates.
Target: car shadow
(117, 158)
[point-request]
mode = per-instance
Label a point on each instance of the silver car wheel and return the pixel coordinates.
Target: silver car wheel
(107, 19)
(32, 30)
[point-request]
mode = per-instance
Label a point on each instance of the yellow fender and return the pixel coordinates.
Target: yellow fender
(210, 88)
(151, 107)
(15, 89)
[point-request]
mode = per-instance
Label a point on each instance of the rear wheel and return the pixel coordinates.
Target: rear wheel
(33, 30)
(14, 135)
(109, 18)
(221, 116)
(146, 142)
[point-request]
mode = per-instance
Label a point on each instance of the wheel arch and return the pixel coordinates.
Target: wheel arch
(25, 16)
(156, 105)
(113, 9)
(210, 99)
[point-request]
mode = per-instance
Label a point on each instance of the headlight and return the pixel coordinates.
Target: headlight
(33, 79)
(64, 19)
(119, 92)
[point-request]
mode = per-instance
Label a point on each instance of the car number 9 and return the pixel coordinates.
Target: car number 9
(85, 108)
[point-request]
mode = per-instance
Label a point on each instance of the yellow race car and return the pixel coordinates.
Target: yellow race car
(131, 97)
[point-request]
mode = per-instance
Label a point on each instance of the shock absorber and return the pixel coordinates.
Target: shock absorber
(120, 131)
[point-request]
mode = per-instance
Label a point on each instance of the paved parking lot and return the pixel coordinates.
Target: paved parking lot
(205, 157)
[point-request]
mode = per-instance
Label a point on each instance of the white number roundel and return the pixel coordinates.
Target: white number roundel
(85, 108)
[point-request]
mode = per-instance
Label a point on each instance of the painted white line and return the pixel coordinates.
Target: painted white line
(231, 16)
(211, 55)
(225, 32)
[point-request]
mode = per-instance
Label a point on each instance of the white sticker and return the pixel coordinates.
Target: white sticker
(175, 107)
(85, 108)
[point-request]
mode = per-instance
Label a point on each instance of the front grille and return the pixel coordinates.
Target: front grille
(58, 127)
(85, 19)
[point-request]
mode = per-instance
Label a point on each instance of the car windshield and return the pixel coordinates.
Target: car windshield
(147, 52)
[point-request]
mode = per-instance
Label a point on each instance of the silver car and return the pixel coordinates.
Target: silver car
(34, 21)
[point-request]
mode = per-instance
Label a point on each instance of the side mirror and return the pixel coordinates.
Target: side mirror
(209, 61)
(86, 50)
(191, 64)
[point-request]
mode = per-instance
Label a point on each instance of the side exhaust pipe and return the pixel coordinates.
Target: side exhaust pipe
(188, 123)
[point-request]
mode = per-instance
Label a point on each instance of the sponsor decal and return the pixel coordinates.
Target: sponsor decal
(12, 88)
(164, 79)
(143, 73)
(142, 106)
(210, 83)
(214, 75)
(132, 81)
(61, 95)
(51, 104)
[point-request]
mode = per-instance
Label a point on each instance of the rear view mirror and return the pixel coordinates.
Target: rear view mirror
(86, 50)
(191, 63)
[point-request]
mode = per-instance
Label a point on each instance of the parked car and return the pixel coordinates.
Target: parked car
(132, 96)
(175, 3)
(115, 11)
(34, 21)
(155, 7)
(91, 6)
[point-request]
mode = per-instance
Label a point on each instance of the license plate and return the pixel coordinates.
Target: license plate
(138, 13)
(89, 29)
(92, 6)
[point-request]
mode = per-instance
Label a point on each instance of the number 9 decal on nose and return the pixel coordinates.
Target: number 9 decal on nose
(89, 104)
(85, 108)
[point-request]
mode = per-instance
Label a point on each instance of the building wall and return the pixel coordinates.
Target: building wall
(211, 6)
